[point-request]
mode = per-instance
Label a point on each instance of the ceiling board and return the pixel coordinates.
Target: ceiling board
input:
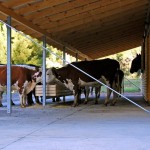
(92, 28)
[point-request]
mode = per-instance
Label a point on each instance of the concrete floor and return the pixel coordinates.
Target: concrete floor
(59, 126)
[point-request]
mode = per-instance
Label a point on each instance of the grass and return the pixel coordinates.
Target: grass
(131, 85)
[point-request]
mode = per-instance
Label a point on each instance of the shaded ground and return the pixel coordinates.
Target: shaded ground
(59, 126)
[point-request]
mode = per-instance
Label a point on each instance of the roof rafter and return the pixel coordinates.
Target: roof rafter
(88, 19)
(33, 27)
(104, 23)
(81, 25)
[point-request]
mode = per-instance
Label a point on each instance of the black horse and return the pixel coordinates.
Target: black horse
(136, 64)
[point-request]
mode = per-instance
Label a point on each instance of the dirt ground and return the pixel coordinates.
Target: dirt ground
(58, 126)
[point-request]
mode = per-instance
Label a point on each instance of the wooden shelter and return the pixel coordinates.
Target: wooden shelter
(88, 28)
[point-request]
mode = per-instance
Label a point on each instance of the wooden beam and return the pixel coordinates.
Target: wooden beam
(3, 17)
(98, 47)
(105, 30)
(107, 22)
(107, 40)
(39, 6)
(97, 15)
(31, 26)
(113, 50)
(108, 33)
(70, 11)
(21, 20)
(90, 8)
(14, 3)
(63, 9)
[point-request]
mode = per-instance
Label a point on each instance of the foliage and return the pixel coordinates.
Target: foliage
(24, 51)
(54, 60)
(3, 44)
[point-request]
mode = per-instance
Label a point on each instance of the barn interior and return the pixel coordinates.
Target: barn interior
(87, 29)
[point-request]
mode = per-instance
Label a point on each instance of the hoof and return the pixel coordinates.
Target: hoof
(30, 104)
(85, 102)
(96, 102)
(39, 103)
(22, 106)
(106, 103)
(112, 104)
(74, 105)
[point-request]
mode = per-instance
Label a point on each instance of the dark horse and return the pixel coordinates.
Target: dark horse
(136, 64)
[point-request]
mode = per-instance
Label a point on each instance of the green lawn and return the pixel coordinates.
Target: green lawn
(131, 85)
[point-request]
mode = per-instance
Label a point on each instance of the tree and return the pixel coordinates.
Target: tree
(24, 51)
(3, 54)
(54, 60)
(20, 49)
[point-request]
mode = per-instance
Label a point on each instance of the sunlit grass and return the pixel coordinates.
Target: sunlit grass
(131, 85)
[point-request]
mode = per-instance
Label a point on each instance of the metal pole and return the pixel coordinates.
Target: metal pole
(76, 57)
(9, 107)
(64, 63)
(44, 70)
(64, 55)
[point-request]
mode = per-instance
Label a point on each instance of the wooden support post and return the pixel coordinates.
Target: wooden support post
(9, 107)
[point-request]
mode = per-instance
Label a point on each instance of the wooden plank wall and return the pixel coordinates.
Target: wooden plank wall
(146, 73)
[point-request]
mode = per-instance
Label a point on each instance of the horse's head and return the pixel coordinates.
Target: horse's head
(136, 64)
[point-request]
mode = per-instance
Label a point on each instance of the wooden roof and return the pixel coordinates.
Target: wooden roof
(94, 28)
